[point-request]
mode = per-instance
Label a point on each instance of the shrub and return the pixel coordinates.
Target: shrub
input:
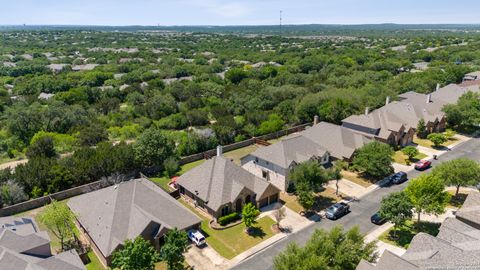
(227, 219)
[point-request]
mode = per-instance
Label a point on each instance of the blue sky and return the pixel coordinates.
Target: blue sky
(236, 12)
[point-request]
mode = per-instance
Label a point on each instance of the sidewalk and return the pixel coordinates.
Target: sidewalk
(348, 188)
(382, 246)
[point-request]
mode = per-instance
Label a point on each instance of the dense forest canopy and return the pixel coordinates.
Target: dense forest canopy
(82, 86)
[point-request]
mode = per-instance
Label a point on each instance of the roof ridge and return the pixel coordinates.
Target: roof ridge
(214, 163)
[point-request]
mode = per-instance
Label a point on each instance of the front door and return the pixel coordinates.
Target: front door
(238, 205)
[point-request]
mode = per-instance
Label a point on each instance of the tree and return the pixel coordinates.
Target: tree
(437, 138)
(42, 147)
(309, 172)
(335, 173)
(460, 172)
(421, 129)
(171, 166)
(410, 152)
(334, 249)
(279, 215)
(466, 112)
(374, 159)
(138, 254)
(91, 135)
(58, 218)
(176, 243)
(11, 193)
(153, 148)
(305, 196)
(397, 209)
(427, 194)
(249, 213)
(236, 75)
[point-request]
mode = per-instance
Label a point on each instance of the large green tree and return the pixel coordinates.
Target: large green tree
(249, 213)
(437, 139)
(153, 148)
(460, 172)
(374, 159)
(310, 173)
(466, 112)
(172, 252)
(396, 208)
(138, 254)
(427, 194)
(331, 250)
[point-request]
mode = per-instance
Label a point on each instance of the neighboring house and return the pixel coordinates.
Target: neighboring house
(456, 246)
(45, 96)
(57, 67)
(218, 186)
(339, 141)
(84, 67)
(24, 247)
(130, 209)
(274, 162)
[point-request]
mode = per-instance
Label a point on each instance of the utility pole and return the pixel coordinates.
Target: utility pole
(280, 22)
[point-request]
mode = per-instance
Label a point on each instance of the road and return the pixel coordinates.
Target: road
(361, 211)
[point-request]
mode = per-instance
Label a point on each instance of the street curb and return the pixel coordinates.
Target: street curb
(260, 250)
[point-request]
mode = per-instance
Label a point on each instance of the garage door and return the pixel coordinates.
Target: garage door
(263, 202)
(274, 198)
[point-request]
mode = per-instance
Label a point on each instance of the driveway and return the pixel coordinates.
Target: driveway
(360, 215)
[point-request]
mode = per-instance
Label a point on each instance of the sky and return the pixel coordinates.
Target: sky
(236, 12)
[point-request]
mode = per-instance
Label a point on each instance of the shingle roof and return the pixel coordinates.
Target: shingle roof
(219, 181)
(470, 210)
(294, 149)
(117, 213)
(22, 247)
(388, 261)
(340, 142)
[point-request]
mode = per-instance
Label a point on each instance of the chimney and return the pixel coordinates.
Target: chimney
(387, 100)
(367, 110)
(438, 87)
(429, 98)
(316, 119)
(219, 150)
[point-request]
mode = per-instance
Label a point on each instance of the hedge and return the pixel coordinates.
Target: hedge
(228, 218)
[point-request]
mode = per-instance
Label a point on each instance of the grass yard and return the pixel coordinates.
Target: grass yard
(429, 144)
(163, 181)
(238, 154)
(356, 178)
(95, 263)
(405, 234)
(401, 158)
(233, 241)
(322, 200)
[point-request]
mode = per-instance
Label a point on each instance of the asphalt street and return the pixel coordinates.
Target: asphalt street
(361, 211)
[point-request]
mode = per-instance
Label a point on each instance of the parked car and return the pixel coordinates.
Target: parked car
(337, 210)
(377, 219)
(423, 165)
(399, 178)
(196, 237)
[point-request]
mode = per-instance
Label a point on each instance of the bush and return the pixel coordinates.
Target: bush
(227, 219)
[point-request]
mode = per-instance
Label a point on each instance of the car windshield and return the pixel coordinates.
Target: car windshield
(331, 209)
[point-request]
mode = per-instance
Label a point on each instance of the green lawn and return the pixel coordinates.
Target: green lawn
(356, 178)
(95, 263)
(238, 154)
(401, 158)
(322, 200)
(163, 181)
(429, 144)
(405, 234)
(233, 241)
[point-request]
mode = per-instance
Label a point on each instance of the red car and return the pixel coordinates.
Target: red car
(423, 165)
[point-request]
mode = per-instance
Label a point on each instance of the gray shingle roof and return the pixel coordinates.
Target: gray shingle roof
(294, 149)
(388, 261)
(470, 210)
(117, 213)
(340, 142)
(219, 181)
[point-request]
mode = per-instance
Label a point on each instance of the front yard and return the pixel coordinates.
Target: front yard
(405, 234)
(233, 241)
(356, 178)
(322, 200)
(427, 143)
(401, 158)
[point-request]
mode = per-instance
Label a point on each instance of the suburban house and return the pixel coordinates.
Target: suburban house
(218, 187)
(273, 162)
(24, 247)
(457, 245)
(339, 141)
(127, 210)
(384, 124)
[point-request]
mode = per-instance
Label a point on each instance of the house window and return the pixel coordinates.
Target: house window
(266, 175)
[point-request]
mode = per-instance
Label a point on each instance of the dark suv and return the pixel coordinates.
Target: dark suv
(337, 210)
(399, 178)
